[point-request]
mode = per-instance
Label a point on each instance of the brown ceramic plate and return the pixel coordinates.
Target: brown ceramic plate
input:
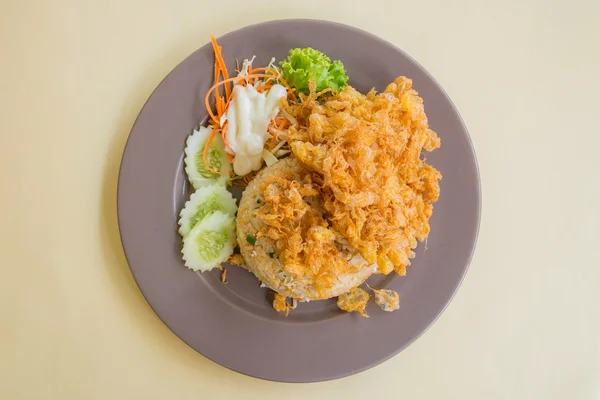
(235, 325)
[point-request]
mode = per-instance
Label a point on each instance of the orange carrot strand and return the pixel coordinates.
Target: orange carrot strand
(278, 76)
(221, 62)
(217, 85)
(224, 135)
(263, 88)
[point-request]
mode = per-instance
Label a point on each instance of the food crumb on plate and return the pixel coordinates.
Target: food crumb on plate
(224, 276)
(237, 259)
(280, 304)
(354, 300)
(387, 299)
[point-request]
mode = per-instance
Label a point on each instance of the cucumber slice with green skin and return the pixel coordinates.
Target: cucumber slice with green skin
(202, 203)
(210, 242)
(198, 173)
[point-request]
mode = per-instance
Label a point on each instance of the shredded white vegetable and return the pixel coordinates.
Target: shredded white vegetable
(289, 117)
(269, 158)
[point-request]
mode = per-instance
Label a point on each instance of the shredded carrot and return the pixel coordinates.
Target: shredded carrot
(250, 72)
(228, 101)
(224, 135)
(221, 62)
(264, 87)
(223, 82)
(222, 101)
(217, 75)
(290, 90)
(274, 73)
(219, 104)
(217, 71)
(280, 123)
(278, 76)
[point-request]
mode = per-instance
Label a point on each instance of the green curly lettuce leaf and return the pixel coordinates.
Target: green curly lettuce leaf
(304, 65)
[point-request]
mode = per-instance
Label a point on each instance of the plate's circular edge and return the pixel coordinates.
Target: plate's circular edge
(477, 183)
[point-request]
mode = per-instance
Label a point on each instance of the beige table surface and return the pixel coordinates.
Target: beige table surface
(525, 76)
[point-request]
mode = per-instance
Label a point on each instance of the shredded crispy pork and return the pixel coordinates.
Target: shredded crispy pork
(377, 188)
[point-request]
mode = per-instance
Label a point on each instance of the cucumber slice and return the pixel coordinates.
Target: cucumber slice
(210, 242)
(198, 173)
(204, 202)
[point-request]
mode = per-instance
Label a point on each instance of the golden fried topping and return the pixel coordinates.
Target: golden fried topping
(377, 189)
(280, 304)
(387, 299)
(355, 300)
(305, 244)
(237, 259)
(224, 276)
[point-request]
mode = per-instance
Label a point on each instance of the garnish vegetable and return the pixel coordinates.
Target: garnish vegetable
(304, 65)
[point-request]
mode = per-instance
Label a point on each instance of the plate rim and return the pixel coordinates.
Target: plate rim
(477, 186)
